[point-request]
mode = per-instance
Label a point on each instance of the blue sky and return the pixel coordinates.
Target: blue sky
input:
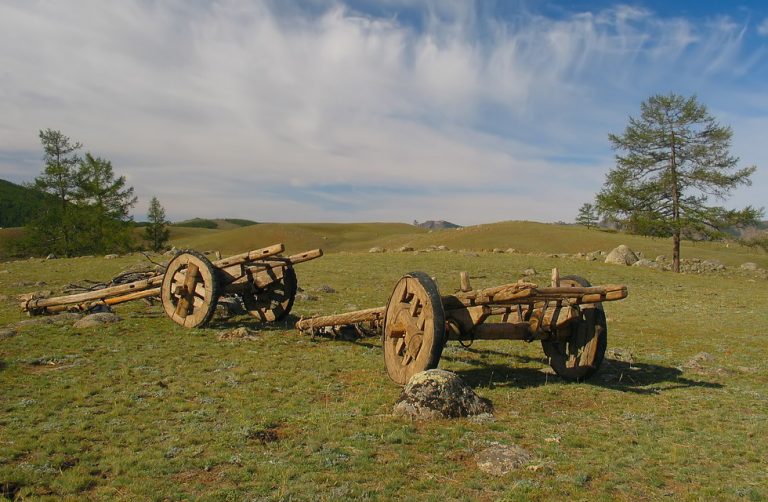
(367, 110)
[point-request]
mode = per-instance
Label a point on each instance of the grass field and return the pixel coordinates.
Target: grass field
(144, 409)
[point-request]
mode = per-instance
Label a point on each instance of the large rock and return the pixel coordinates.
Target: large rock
(622, 255)
(439, 394)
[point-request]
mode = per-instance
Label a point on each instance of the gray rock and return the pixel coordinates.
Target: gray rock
(529, 272)
(7, 333)
(98, 319)
(229, 306)
(325, 289)
(619, 354)
(661, 258)
(306, 297)
(622, 255)
(438, 393)
(500, 460)
(62, 318)
(498, 250)
(511, 250)
(712, 265)
(241, 333)
(51, 257)
(645, 263)
(111, 256)
(442, 248)
(749, 266)
(376, 249)
(404, 249)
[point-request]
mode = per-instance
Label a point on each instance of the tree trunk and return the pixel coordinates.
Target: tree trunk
(676, 251)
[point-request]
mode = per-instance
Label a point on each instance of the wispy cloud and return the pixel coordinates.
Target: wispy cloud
(762, 28)
(335, 112)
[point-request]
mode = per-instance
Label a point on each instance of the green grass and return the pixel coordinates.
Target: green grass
(144, 409)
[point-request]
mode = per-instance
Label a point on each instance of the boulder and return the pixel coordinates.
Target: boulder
(622, 255)
(438, 393)
(99, 319)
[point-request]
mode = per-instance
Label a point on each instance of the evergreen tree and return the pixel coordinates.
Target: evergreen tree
(53, 228)
(675, 157)
(587, 215)
(104, 202)
(157, 232)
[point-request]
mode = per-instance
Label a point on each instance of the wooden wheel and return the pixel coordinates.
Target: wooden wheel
(190, 289)
(274, 301)
(414, 327)
(580, 354)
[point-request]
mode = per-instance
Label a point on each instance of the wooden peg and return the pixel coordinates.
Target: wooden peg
(465, 285)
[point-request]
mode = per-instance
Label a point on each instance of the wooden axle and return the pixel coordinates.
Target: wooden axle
(266, 283)
(416, 323)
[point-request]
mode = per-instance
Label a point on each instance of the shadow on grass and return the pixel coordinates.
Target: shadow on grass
(287, 324)
(638, 378)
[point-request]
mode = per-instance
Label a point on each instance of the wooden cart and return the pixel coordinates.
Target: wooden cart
(191, 286)
(567, 317)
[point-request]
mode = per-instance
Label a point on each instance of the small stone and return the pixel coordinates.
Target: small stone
(404, 249)
(644, 263)
(241, 333)
(325, 289)
(442, 248)
(749, 266)
(110, 256)
(498, 250)
(376, 249)
(511, 250)
(229, 306)
(306, 297)
(51, 257)
(500, 460)
(619, 354)
(6, 333)
(529, 272)
(98, 319)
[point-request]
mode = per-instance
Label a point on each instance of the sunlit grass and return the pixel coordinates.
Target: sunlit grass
(144, 409)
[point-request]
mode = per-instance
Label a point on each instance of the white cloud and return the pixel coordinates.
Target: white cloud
(762, 29)
(242, 109)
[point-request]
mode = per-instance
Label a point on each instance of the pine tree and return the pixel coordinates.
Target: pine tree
(53, 229)
(587, 215)
(675, 157)
(157, 232)
(104, 202)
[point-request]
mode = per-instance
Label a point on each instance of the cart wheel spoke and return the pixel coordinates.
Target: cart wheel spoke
(578, 355)
(414, 327)
(274, 301)
(190, 289)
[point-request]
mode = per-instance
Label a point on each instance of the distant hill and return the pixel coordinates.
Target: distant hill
(18, 204)
(220, 224)
(437, 225)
